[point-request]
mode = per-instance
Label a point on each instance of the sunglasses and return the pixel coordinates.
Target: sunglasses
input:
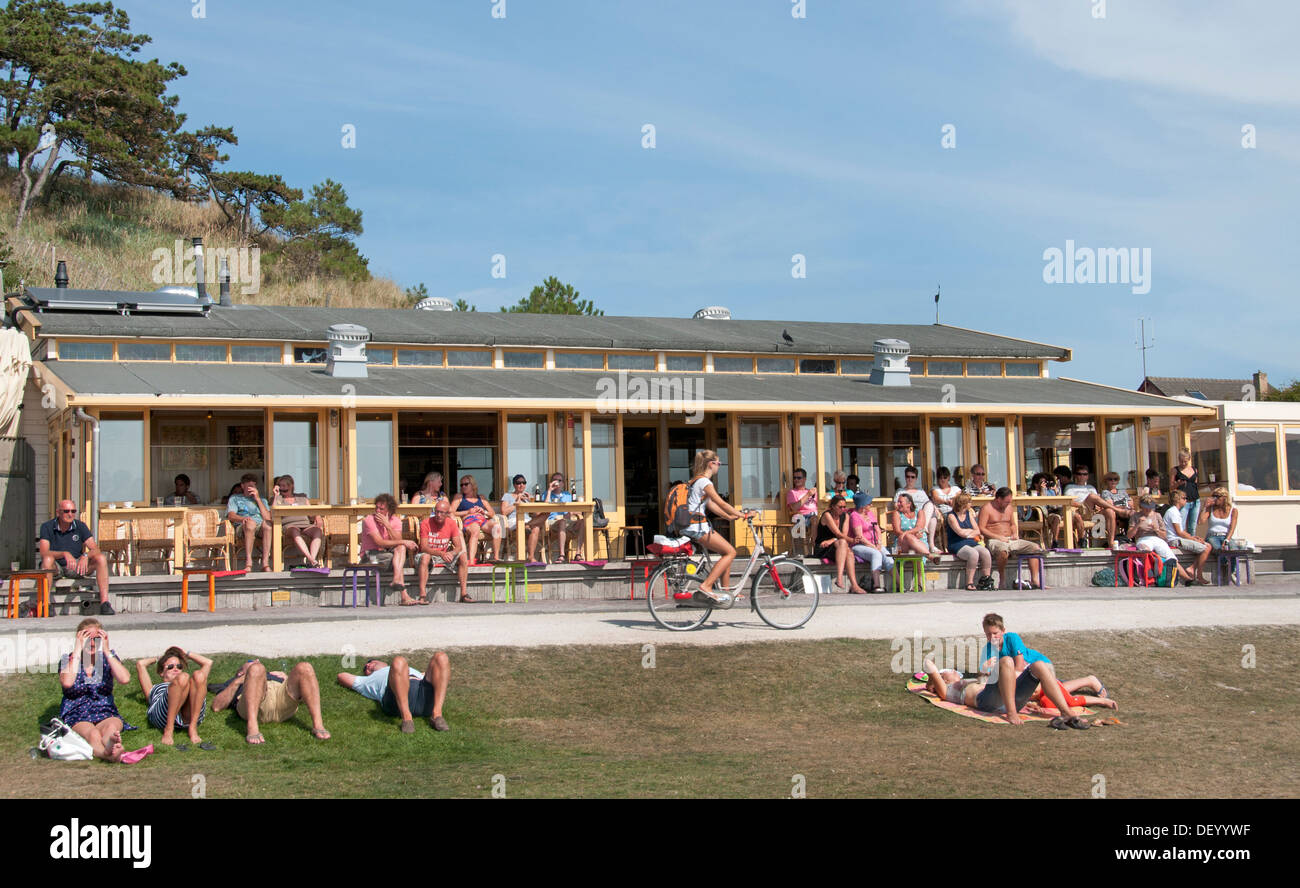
(170, 666)
(68, 511)
(464, 484)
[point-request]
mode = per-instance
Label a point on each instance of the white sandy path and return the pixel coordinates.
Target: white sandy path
(634, 627)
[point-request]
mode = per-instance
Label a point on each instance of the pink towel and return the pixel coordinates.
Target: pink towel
(130, 758)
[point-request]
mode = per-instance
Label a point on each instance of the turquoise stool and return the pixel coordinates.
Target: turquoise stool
(509, 567)
(918, 572)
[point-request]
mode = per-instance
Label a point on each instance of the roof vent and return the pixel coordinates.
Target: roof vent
(714, 313)
(435, 303)
(347, 351)
(889, 366)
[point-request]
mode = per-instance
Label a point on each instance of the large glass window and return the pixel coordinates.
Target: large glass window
(379, 355)
(514, 360)
(807, 457)
(983, 368)
(760, 464)
(995, 452)
(579, 361)
(86, 351)
(526, 449)
(419, 357)
(467, 358)
(631, 362)
(829, 449)
(295, 453)
(727, 364)
(1256, 459)
(943, 368)
(684, 363)
(817, 365)
(1293, 459)
(1015, 368)
(1207, 455)
(947, 448)
(144, 351)
(374, 455)
(309, 354)
(1052, 441)
(1159, 441)
(856, 367)
(1121, 453)
(192, 352)
(603, 462)
(776, 365)
(121, 458)
(257, 354)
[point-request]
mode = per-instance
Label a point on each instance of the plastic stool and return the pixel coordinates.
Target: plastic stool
(370, 570)
(212, 574)
(509, 567)
(918, 572)
(1128, 560)
(1232, 559)
(42, 580)
(1042, 568)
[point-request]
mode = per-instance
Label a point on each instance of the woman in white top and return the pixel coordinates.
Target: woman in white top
(1220, 518)
(702, 497)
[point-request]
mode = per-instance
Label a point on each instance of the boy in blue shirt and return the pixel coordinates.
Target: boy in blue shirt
(1013, 671)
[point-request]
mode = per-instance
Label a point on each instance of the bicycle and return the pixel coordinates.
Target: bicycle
(783, 593)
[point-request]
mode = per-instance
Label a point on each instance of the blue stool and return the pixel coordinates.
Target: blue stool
(355, 570)
(1232, 559)
(1042, 568)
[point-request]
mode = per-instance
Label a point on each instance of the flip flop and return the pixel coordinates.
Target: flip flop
(255, 739)
(970, 587)
(181, 747)
(1059, 723)
(207, 747)
(411, 603)
(466, 599)
(1075, 722)
(320, 733)
(421, 601)
(1103, 693)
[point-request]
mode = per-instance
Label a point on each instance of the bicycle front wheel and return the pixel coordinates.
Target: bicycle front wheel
(671, 596)
(785, 594)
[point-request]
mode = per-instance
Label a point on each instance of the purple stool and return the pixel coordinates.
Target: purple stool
(370, 570)
(1042, 569)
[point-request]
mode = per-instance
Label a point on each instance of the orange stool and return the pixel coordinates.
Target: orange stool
(212, 575)
(42, 579)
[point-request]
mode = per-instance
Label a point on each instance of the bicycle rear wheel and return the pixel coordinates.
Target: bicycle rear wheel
(785, 594)
(671, 596)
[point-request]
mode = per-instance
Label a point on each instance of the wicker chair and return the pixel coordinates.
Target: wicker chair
(208, 538)
(115, 542)
(155, 542)
(335, 548)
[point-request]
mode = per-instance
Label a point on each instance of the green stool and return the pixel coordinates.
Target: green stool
(918, 571)
(509, 567)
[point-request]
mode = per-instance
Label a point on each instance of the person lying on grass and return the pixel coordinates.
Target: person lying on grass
(952, 686)
(1012, 673)
(402, 691)
(180, 699)
(261, 696)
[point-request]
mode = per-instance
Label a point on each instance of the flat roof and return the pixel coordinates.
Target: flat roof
(153, 384)
(497, 329)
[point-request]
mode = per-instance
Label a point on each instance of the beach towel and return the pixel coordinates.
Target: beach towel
(917, 686)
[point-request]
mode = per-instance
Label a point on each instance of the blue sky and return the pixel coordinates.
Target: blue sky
(775, 136)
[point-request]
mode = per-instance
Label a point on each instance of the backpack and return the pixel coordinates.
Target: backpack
(676, 515)
(1104, 577)
(59, 741)
(598, 517)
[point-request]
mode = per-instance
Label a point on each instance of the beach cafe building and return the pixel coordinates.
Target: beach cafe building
(358, 402)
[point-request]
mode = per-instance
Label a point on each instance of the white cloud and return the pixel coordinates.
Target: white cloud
(1242, 51)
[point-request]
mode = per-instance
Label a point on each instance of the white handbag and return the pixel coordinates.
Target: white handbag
(60, 742)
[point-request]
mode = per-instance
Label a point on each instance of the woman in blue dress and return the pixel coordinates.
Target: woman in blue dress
(87, 676)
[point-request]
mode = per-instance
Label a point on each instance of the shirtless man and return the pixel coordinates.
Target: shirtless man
(1001, 531)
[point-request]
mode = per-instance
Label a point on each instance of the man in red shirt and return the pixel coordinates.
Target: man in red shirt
(441, 545)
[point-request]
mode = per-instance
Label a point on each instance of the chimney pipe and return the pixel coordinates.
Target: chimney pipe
(61, 275)
(225, 285)
(200, 280)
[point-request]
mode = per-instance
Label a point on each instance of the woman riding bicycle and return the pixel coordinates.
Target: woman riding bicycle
(702, 497)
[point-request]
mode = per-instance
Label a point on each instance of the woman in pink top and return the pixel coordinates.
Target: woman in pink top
(801, 503)
(381, 539)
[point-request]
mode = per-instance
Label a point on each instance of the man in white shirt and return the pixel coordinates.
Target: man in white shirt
(1089, 502)
(402, 691)
(1179, 539)
(927, 515)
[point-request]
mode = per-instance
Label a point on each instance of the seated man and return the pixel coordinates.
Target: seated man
(182, 495)
(563, 524)
(1089, 502)
(179, 700)
(262, 696)
(441, 545)
(509, 515)
(382, 541)
(68, 549)
(927, 515)
(1012, 672)
(978, 485)
(249, 514)
(305, 532)
(1001, 531)
(402, 691)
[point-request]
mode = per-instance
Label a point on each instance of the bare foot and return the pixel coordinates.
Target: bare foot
(113, 747)
(195, 738)
(167, 739)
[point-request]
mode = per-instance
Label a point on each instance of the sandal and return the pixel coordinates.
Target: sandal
(970, 587)
(465, 599)
(255, 739)
(422, 600)
(320, 733)
(1075, 722)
